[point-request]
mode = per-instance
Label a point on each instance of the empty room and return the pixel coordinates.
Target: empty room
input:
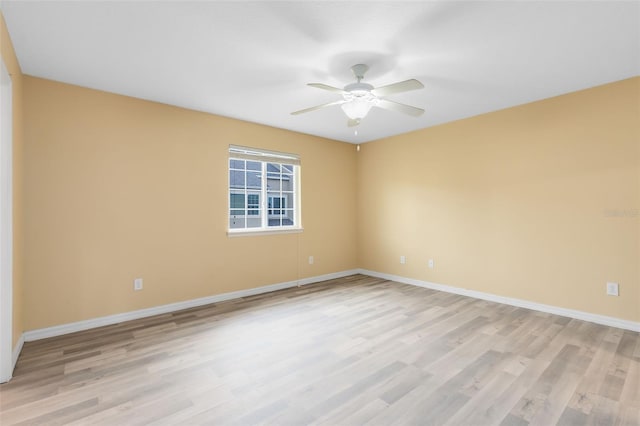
(320, 212)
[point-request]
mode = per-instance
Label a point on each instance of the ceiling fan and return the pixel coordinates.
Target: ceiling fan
(358, 98)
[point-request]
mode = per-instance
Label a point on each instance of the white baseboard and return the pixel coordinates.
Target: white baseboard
(59, 330)
(326, 277)
(571, 313)
(16, 352)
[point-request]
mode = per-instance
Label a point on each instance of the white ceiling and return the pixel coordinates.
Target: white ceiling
(251, 60)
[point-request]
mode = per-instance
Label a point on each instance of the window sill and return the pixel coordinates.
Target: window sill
(247, 233)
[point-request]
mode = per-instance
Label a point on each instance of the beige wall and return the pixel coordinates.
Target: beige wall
(118, 188)
(538, 202)
(11, 62)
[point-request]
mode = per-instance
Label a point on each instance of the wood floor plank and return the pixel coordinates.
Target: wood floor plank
(350, 351)
(481, 400)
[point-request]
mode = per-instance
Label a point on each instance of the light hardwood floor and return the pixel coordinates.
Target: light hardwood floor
(352, 351)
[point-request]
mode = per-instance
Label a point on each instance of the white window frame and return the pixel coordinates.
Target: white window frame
(264, 157)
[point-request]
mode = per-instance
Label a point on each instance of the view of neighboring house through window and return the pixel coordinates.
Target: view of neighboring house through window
(263, 189)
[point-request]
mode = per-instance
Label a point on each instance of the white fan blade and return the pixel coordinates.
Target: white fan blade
(395, 106)
(302, 111)
(353, 122)
(403, 86)
(326, 87)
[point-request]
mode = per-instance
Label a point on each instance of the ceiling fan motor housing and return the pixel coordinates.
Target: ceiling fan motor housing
(358, 87)
(360, 93)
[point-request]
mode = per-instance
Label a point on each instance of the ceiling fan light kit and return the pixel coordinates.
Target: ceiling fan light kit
(358, 104)
(358, 98)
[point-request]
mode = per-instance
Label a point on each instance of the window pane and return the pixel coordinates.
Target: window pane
(273, 176)
(236, 164)
(236, 203)
(276, 203)
(287, 183)
(253, 200)
(235, 223)
(273, 182)
(288, 217)
(273, 168)
(236, 179)
(254, 180)
(253, 204)
(275, 222)
(288, 199)
(287, 168)
(254, 222)
(236, 200)
(254, 165)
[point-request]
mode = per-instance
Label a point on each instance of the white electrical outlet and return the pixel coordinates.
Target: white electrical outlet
(137, 284)
(612, 289)
(430, 263)
(310, 260)
(403, 260)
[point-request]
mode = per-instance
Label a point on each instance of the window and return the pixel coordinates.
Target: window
(263, 191)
